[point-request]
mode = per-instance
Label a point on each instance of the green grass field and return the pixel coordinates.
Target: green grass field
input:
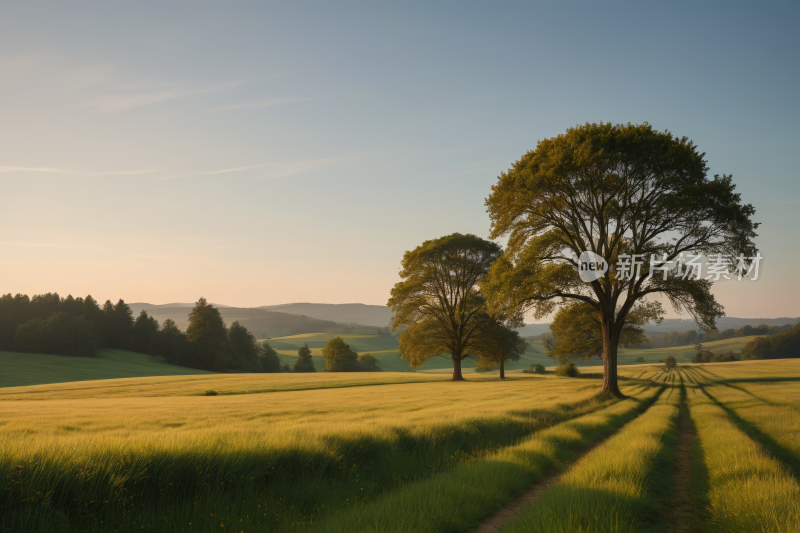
(398, 451)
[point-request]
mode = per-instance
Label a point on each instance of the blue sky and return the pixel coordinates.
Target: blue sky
(262, 153)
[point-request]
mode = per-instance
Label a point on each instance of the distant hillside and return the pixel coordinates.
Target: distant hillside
(367, 315)
(261, 322)
(682, 324)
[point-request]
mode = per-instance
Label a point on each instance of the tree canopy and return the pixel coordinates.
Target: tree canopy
(577, 331)
(207, 336)
(625, 193)
(439, 300)
(304, 363)
(339, 357)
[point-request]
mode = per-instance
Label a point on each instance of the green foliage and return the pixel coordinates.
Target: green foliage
(61, 334)
(774, 347)
(615, 190)
(534, 369)
(499, 345)
(243, 349)
(270, 362)
(304, 363)
(339, 357)
(368, 363)
(145, 333)
(207, 337)
(439, 301)
(578, 330)
(567, 370)
(670, 363)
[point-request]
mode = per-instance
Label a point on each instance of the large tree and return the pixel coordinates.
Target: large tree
(439, 301)
(626, 193)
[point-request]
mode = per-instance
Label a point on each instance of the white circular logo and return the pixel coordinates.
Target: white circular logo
(591, 266)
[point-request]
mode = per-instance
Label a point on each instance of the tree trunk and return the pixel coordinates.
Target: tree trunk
(457, 368)
(610, 343)
(502, 369)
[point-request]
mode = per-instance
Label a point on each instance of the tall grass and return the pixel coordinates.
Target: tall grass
(616, 486)
(457, 500)
(748, 490)
(264, 461)
(775, 426)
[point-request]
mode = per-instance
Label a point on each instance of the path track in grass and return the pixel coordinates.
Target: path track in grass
(680, 509)
(493, 523)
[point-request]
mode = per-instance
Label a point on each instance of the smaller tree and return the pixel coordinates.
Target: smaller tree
(567, 370)
(339, 357)
(243, 348)
(145, 333)
(578, 332)
(207, 336)
(304, 363)
(502, 344)
(270, 362)
(670, 363)
(368, 363)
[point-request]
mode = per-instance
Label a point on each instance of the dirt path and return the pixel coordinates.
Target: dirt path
(493, 523)
(680, 508)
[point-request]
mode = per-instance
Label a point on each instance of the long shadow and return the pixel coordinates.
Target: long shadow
(775, 379)
(770, 445)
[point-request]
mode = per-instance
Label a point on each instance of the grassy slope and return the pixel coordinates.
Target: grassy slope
(384, 348)
(18, 369)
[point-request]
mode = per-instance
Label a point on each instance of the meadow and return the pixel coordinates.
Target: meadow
(401, 451)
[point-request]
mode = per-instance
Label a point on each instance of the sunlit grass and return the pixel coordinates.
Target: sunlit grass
(616, 486)
(457, 500)
(748, 490)
(274, 458)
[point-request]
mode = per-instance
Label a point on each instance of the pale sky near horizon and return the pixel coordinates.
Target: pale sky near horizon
(259, 153)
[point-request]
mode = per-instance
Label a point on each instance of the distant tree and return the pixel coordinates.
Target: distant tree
(207, 337)
(699, 348)
(44, 305)
(439, 301)
(145, 333)
(172, 343)
(13, 313)
(270, 361)
(368, 363)
(640, 359)
(243, 348)
(60, 334)
(304, 363)
(626, 193)
(670, 363)
(577, 331)
(339, 357)
(567, 370)
(93, 313)
(502, 344)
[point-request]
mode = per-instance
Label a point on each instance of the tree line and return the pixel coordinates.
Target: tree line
(687, 338)
(785, 344)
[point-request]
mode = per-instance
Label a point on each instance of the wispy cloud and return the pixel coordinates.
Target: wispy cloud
(64, 246)
(262, 103)
(305, 166)
(121, 98)
(274, 170)
(66, 172)
(104, 87)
